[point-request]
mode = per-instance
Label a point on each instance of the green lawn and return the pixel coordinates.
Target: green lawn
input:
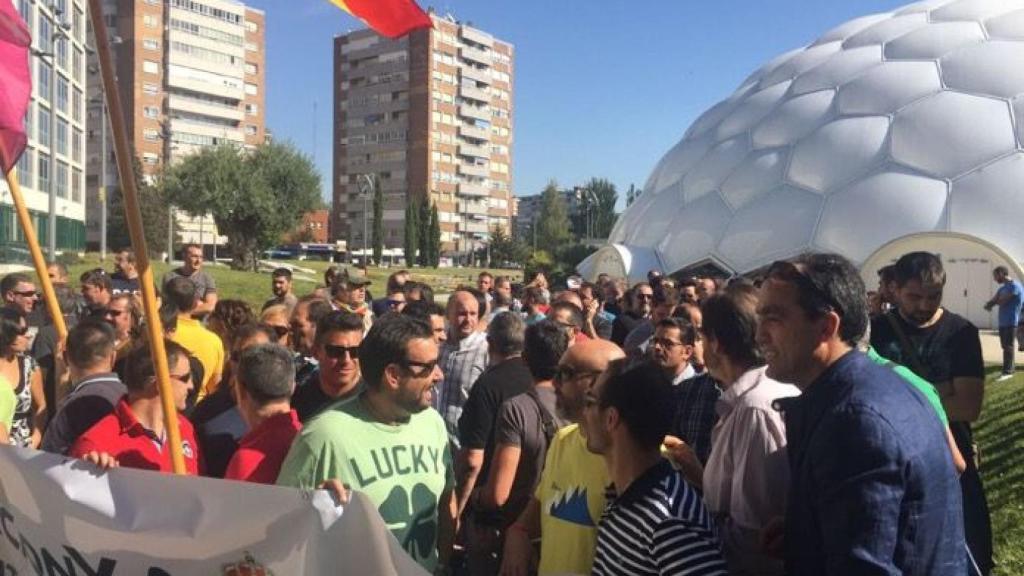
(1000, 437)
(255, 288)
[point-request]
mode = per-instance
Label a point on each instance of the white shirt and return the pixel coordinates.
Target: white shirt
(747, 476)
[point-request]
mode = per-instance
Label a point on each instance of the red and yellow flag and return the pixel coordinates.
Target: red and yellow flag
(391, 18)
(15, 85)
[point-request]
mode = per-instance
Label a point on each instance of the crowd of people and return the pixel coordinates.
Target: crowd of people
(790, 423)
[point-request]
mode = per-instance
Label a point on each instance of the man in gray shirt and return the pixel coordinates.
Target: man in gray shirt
(192, 268)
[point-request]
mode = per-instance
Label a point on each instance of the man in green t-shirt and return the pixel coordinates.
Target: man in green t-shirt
(387, 442)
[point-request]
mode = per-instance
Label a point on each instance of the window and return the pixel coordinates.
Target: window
(61, 180)
(62, 94)
(76, 64)
(151, 112)
(62, 136)
(251, 68)
(207, 10)
(76, 185)
(250, 130)
(25, 165)
(43, 38)
(252, 109)
(251, 26)
(150, 21)
(150, 44)
(44, 125)
(150, 158)
(30, 119)
(44, 172)
(151, 89)
(61, 45)
(150, 67)
(151, 135)
(76, 24)
(26, 11)
(206, 32)
(43, 77)
(251, 47)
(76, 145)
(76, 105)
(251, 89)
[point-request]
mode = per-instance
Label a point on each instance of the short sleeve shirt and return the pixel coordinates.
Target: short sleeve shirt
(91, 400)
(203, 281)
(497, 384)
(261, 451)
(950, 348)
(1009, 311)
(404, 469)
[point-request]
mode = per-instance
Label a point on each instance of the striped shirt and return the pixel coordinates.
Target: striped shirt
(658, 526)
(462, 362)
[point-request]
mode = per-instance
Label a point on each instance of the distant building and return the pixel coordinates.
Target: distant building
(430, 115)
(192, 74)
(529, 208)
(313, 228)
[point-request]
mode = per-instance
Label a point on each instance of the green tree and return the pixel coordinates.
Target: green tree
(553, 226)
(435, 237)
(412, 224)
(425, 258)
(378, 220)
(600, 201)
(632, 195)
(155, 212)
(254, 196)
(506, 249)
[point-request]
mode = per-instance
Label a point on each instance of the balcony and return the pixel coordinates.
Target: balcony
(473, 227)
(473, 208)
(475, 190)
(476, 36)
(205, 107)
(474, 151)
(475, 55)
(473, 93)
(474, 112)
(474, 132)
(478, 170)
(475, 74)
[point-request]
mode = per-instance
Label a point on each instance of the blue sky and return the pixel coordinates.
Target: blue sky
(602, 88)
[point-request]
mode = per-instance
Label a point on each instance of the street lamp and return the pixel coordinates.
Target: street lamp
(366, 183)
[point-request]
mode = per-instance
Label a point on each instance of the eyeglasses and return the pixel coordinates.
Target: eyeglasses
(665, 342)
(281, 331)
(338, 352)
(427, 367)
(566, 373)
(789, 272)
(27, 293)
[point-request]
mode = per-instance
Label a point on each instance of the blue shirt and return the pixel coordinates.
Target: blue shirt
(1009, 311)
(872, 484)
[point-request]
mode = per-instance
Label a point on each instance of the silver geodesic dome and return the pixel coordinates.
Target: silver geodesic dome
(888, 125)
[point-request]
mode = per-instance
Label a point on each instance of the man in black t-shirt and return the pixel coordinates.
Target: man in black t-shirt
(944, 349)
(506, 377)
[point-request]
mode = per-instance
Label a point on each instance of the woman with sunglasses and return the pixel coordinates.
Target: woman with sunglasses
(277, 318)
(22, 404)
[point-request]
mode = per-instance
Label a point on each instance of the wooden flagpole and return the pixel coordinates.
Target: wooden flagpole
(123, 155)
(49, 296)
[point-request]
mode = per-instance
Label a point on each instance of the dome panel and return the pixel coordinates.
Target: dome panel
(847, 29)
(757, 75)
(983, 204)
(759, 173)
(889, 87)
(880, 208)
(950, 133)
(974, 9)
(779, 223)
(715, 167)
(887, 30)
(710, 118)
(678, 162)
(922, 6)
(794, 119)
(695, 231)
(838, 69)
(802, 62)
(838, 152)
(640, 216)
(1018, 115)
(982, 69)
(935, 41)
(752, 110)
(1009, 26)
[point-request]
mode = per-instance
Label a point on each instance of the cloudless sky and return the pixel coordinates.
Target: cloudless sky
(601, 87)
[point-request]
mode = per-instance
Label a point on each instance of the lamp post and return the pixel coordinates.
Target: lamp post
(366, 182)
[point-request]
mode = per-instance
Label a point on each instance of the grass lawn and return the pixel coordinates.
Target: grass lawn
(255, 288)
(1000, 437)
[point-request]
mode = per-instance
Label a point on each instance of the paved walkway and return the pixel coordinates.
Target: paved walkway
(992, 352)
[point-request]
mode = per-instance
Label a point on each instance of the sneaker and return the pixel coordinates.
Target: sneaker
(1004, 377)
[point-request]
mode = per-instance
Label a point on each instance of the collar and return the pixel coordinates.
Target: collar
(472, 341)
(745, 383)
(289, 419)
(820, 392)
(361, 310)
(101, 377)
(647, 481)
(186, 319)
(129, 423)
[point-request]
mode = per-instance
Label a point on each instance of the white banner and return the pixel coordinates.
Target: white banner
(60, 517)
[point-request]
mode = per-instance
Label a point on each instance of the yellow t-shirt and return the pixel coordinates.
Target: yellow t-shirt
(206, 347)
(571, 495)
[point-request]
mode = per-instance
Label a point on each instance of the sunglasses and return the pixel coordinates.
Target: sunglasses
(426, 368)
(27, 293)
(338, 352)
(281, 331)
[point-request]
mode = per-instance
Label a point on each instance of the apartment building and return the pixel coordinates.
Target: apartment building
(192, 74)
(430, 116)
(56, 125)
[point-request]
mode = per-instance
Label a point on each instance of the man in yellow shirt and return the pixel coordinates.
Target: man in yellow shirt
(570, 496)
(192, 335)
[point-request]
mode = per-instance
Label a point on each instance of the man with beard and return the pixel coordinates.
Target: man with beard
(305, 316)
(387, 442)
(944, 349)
(570, 496)
(339, 337)
(281, 287)
(638, 303)
(125, 277)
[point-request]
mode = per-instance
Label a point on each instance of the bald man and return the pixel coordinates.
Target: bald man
(570, 498)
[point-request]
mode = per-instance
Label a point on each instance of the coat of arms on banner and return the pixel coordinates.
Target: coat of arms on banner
(247, 567)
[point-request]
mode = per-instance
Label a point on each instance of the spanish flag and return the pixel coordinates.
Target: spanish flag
(391, 18)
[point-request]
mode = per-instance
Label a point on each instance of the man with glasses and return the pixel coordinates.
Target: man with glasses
(387, 442)
(570, 496)
(638, 304)
(19, 292)
(348, 294)
(339, 336)
(133, 435)
(872, 483)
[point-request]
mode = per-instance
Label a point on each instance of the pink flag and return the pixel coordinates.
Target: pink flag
(15, 84)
